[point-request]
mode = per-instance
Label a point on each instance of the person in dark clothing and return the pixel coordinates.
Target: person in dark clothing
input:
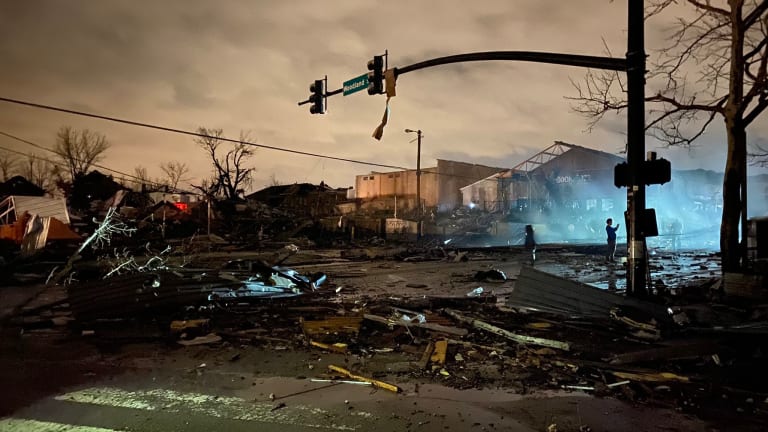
(611, 231)
(530, 242)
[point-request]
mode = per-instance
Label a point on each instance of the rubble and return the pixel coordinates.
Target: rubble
(532, 330)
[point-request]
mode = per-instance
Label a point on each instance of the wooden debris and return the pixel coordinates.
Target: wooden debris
(474, 345)
(374, 382)
(339, 324)
(680, 350)
(456, 331)
(201, 340)
(337, 347)
(181, 326)
(651, 377)
(521, 339)
(441, 348)
(426, 357)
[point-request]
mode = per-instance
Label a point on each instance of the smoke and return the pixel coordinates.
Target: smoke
(688, 211)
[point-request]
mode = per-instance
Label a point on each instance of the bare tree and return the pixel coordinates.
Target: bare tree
(140, 178)
(273, 181)
(80, 150)
(7, 166)
(39, 171)
(714, 65)
(175, 173)
(230, 175)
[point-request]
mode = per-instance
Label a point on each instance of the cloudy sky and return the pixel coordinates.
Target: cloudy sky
(244, 65)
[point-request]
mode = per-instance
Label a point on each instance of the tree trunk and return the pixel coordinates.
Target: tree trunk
(735, 169)
(734, 181)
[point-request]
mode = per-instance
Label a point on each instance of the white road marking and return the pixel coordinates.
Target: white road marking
(24, 425)
(208, 405)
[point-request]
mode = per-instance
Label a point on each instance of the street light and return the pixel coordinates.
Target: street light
(418, 181)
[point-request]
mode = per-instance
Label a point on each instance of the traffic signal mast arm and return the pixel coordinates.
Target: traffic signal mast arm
(608, 63)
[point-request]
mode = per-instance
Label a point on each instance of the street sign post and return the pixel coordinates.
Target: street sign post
(356, 84)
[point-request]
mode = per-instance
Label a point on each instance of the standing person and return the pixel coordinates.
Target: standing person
(530, 242)
(611, 231)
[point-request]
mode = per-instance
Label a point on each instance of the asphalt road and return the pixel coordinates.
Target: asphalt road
(56, 381)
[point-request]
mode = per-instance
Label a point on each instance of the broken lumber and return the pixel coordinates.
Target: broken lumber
(681, 350)
(374, 382)
(427, 355)
(441, 349)
(521, 339)
(651, 377)
(429, 326)
(337, 347)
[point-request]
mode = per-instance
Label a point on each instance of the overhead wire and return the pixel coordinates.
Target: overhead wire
(221, 138)
(102, 167)
(190, 133)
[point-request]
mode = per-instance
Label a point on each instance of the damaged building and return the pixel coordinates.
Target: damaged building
(302, 199)
(568, 188)
(30, 222)
(440, 186)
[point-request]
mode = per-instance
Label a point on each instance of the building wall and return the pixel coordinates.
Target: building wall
(577, 177)
(440, 186)
(452, 176)
(483, 193)
(400, 183)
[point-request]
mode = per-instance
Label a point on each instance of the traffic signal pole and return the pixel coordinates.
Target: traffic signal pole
(634, 66)
(637, 259)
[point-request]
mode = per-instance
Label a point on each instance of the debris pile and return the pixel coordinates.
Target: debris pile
(546, 332)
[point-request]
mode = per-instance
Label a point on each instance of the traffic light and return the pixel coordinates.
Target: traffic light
(317, 97)
(621, 175)
(657, 171)
(376, 75)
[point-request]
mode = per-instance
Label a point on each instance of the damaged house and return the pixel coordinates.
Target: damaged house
(302, 199)
(33, 221)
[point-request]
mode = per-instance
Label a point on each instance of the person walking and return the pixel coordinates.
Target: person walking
(530, 242)
(611, 231)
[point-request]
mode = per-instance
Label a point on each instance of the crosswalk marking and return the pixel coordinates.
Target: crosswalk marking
(24, 425)
(233, 408)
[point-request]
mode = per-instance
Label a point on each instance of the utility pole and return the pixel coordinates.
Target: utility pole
(418, 181)
(637, 261)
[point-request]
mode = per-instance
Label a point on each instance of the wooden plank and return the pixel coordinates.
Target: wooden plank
(456, 331)
(521, 339)
(374, 382)
(441, 349)
(427, 355)
(678, 351)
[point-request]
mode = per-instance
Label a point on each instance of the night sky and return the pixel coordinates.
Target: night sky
(244, 65)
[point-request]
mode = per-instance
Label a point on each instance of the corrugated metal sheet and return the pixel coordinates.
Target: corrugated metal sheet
(41, 206)
(551, 293)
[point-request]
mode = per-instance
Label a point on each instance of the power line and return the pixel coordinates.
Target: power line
(196, 134)
(185, 132)
(102, 167)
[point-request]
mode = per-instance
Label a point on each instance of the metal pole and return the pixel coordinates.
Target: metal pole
(637, 261)
(418, 184)
(209, 217)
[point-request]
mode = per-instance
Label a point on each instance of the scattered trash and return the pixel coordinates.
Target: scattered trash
(475, 292)
(490, 275)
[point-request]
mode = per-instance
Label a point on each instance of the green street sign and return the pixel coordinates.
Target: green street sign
(356, 84)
